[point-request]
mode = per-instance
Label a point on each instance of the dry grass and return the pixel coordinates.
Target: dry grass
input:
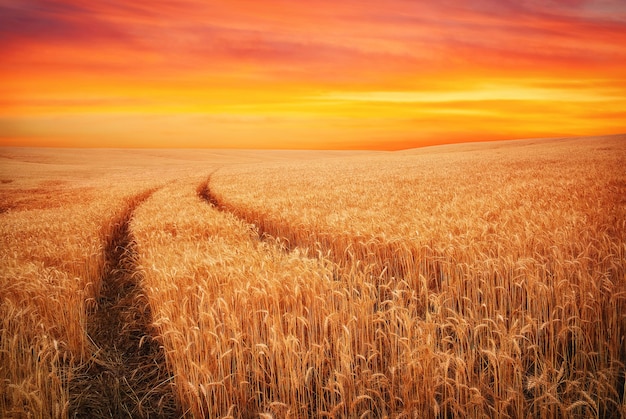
(480, 280)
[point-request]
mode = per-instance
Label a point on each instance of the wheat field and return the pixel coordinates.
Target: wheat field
(469, 280)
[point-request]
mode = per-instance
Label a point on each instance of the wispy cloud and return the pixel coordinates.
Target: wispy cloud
(486, 93)
(357, 59)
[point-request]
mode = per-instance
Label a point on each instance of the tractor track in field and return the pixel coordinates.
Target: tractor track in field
(205, 193)
(270, 229)
(127, 374)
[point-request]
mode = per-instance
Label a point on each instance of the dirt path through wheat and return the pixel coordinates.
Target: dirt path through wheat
(126, 376)
(286, 243)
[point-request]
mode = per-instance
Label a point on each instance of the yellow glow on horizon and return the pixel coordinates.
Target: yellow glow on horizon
(487, 92)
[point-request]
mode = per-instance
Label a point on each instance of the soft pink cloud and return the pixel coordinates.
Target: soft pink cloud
(271, 57)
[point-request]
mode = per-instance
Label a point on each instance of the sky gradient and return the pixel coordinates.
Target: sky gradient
(311, 74)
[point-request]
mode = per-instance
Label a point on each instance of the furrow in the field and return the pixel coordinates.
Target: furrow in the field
(205, 194)
(382, 260)
(126, 376)
(284, 241)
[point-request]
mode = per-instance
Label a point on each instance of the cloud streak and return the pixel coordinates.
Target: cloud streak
(320, 58)
(486, 93)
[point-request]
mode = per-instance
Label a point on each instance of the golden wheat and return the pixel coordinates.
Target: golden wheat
(58, 211)
(482, 280)
(515, 255)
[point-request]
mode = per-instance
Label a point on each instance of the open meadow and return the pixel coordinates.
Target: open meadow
(469, 280)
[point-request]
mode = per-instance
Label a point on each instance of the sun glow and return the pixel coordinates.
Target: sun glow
(320, 75)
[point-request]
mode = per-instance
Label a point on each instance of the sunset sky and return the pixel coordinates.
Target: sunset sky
(308, 74)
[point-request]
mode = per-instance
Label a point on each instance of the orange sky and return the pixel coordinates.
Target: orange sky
(308, 74)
